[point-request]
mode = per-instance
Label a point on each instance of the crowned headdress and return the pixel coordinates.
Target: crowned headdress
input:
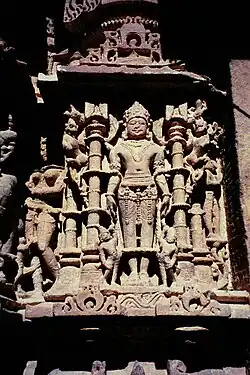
(137, 110)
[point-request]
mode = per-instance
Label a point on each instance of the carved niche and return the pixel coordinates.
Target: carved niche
(137, 216)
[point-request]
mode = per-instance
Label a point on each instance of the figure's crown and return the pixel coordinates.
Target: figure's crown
(137, 110)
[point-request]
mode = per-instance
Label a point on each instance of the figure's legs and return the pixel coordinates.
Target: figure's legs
(127, 210)
(148, 209)
(208, 208)
(163, 273)
(115, 270)
(30, 227)
(45, 229)
(37, 276)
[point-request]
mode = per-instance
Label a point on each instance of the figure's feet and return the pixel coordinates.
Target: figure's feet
(144, 278)
(133, 278)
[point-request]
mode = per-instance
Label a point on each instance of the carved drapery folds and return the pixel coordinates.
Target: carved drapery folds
(136, 215)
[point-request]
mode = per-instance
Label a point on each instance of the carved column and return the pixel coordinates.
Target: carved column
(176, 143)
(96, 118)
(176, 135)
(203, 274)
(70, 251)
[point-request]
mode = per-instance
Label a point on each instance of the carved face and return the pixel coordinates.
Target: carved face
(71, 127)
(200, 126)
(105, 236)
(137, 128)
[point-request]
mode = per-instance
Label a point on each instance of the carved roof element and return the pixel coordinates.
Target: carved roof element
(74, 8)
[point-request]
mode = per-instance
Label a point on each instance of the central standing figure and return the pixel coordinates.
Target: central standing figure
(137, 182)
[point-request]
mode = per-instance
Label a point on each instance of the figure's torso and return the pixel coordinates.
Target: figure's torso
(137, 158)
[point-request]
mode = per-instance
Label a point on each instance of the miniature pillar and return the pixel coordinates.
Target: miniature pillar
(202, 262)
(70, 227)
(177, 142)
(94, 196)
(96, 128)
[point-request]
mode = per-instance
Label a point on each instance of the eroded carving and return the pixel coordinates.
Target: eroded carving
(8, 202)
(140, 211)
(90, 302)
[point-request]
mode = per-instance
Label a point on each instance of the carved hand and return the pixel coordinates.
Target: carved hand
(165, 205)
(111, 205)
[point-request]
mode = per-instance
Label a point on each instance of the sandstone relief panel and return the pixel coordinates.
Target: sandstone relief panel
(134, 224)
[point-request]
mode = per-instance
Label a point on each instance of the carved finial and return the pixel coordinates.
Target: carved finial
(137, 110)
(179, 112)
(98, 368)
(137, 369)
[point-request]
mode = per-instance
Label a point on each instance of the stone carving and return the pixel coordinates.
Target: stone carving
(73, 8)
(28, 265)
(108, 246)
(8, 206)
(177, 367)
(89, 302)
(193, 302)
(168, 254)
(133, 42)
(46, 187)
(140, 213)
(50, 44)
(137, 369)
(135, 191)
(98, 368)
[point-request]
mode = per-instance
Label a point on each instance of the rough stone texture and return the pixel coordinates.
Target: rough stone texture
(123, 241)
(174, 367)
(240, 78)
(142, 216)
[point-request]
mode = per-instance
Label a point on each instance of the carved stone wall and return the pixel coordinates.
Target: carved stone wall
(125, 230)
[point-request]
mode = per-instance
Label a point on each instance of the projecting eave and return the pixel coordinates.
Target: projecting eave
(163, 75)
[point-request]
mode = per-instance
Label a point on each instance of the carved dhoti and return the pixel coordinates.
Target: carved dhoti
(137, 208)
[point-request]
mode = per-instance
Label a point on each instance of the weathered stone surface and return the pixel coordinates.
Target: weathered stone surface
(142, 216)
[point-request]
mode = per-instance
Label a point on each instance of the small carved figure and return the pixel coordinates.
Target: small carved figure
(42, 218)
(75, 156)
(8, 184)
(108, 247)
(25, 256)
(168, 254)
(73, 146)
(212, 198)
(204, 138)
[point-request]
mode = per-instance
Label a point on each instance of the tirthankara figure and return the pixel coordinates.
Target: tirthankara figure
(137, 182)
